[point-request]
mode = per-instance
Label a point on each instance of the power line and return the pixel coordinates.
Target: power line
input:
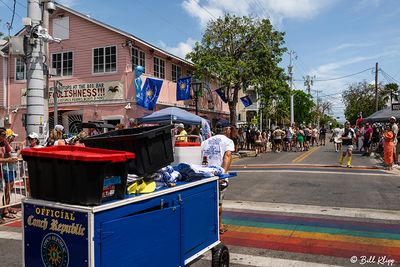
(194, 1)
(393, 79)
(338, 78)
(11, 9)
(12, 18)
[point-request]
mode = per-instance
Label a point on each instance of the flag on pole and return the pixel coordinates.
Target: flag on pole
(222, 94)
(183, 88)
(246, 100)
(149, 94)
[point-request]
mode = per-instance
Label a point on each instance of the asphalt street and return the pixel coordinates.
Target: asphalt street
(298, 209)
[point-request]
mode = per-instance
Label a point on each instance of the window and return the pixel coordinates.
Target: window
(176, 72)
(20, 69)
(138, 58)
(62, 63)
(188, 73)
(105, 59)
(159, 67)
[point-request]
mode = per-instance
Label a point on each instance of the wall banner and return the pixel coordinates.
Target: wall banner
(84, 92)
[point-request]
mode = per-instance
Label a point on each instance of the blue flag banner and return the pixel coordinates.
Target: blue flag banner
(222, 94)
(183, 88)
(149, 94)
(246, 100)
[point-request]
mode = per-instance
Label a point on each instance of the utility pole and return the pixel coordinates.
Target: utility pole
(35, 83)
(36, 118)
(308, 82)
(376, 86)
(290, 70)
(45, 22)
(318, 117)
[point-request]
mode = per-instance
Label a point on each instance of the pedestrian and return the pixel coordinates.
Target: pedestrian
(336, 138)
(33, 140)
(258, 143)
(347, 144)
(300, 139)
(217, 151)
(59, 135)
(277, 136)
(322, 136)
(388, 147)
(314, 136)
(241, 138)
(395, 130)
(367, 139)
(181, 133)
(9, 164)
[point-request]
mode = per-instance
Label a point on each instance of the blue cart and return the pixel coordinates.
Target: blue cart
(170, 227)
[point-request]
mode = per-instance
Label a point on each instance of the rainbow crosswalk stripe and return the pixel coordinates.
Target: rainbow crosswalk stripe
(320, 236)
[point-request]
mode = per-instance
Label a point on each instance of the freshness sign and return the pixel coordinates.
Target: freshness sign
(55, 237)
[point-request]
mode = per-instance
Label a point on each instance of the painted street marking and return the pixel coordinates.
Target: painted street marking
(10, 235)
(258, 261)
(345, 171)
(315, 210)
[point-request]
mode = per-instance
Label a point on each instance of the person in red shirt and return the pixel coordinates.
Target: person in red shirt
(359, 121)
(367, 139)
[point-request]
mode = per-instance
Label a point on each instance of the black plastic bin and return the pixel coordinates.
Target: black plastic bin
(77, 175)
(151, 145)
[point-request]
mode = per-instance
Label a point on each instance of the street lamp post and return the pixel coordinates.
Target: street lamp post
(196, 86)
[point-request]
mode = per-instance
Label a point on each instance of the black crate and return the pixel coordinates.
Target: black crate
(67, 174)
(151, 145)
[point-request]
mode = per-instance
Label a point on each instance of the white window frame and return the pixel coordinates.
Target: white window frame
(63, 54)
(139, 58)
(104, 60)
(159, 71)
(176, 72)
(15, 68)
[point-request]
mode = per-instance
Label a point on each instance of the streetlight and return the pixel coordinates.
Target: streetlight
(197, 87)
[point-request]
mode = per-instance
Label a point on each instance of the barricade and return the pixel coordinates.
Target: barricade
(13, 186)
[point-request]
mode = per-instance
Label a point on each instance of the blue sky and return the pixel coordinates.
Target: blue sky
(332, 38)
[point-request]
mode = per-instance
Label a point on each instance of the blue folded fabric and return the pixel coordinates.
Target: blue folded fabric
(192, 172)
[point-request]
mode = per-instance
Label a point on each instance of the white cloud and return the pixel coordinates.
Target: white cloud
(347, 46)
(276, 11)
(181, 49)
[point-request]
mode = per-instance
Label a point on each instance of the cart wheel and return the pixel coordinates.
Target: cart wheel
(220, 256)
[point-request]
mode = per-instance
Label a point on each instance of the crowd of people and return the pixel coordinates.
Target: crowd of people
(290, 138)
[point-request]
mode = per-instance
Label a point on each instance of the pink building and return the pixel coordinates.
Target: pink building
(94, 64)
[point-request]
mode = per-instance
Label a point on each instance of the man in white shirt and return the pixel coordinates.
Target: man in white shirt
(217, 151)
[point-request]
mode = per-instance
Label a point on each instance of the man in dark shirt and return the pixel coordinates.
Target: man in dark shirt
(367, 139)
(322, 136)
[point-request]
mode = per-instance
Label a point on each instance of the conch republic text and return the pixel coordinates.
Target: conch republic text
(60, 221)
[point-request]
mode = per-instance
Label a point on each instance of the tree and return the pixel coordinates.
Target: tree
(390, 93)
(360, 97)
(303, 107)
(239, 52)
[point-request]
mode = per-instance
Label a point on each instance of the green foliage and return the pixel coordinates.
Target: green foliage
(360, 97)
(303, 107)
(240, 52)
